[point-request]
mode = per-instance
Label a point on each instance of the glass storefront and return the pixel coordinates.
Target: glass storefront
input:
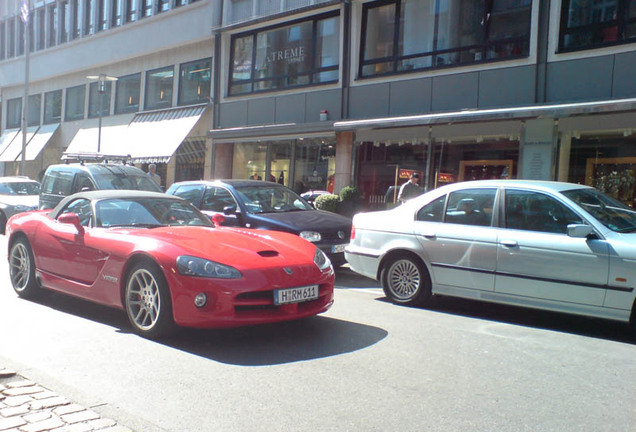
(382, 167)
(301, 164)
(606, 162)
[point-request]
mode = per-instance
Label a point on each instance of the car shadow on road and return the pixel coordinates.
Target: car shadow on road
(271, 344)
(526, 317)
(261, 345)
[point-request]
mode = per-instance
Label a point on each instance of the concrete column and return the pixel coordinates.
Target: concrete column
(564, 157)
(344, 156)
(223, 160)
(208, 167)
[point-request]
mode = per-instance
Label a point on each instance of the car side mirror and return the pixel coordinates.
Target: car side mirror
(71, 219)
(229, 210)
(580, 230)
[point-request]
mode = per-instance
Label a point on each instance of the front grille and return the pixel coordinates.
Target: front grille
(333, 236)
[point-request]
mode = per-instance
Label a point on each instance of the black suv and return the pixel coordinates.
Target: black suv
(266, 205)
(62, 180)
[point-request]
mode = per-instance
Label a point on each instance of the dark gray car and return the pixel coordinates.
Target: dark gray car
(62, 180)
(267, 205)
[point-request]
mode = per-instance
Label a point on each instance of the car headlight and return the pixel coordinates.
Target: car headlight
(321, 260)
(312, 236)
(193, 266)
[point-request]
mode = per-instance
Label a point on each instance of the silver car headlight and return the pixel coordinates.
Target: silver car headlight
(321, 260)
(193, 266)
(311, 236)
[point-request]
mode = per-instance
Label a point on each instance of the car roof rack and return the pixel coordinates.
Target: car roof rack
(95, 157)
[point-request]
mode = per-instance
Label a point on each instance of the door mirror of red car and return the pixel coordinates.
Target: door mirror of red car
(72, 219)
(218, 219)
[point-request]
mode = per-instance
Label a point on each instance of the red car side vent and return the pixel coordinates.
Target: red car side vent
(268, 253)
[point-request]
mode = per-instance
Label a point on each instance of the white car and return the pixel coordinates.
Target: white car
(546, 245)
(17, 195)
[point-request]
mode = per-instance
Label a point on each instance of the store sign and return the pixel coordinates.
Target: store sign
(445, 178)
(406, 173)
(287, 55)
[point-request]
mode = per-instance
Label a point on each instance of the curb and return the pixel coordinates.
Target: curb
(26, 406)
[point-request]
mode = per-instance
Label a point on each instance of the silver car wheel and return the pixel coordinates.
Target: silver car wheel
(143, 300)
(404, 279)
(20, 267)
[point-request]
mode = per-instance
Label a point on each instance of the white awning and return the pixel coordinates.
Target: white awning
(155, 136)
(14, 149)
(85, 140)
(7, 138)
(151, 136)
(39, 141)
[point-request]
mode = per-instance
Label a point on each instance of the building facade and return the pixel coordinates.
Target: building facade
(366, 92)
(130, 77)
(320, 94)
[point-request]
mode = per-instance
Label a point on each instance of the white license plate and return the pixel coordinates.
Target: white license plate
(295, 295)
(338, 248)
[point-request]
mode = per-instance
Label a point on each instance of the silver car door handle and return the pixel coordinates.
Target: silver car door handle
(429, 235)
(509, 243)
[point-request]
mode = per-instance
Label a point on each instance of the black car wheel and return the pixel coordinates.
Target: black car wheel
(148, 303)
(406, 281)
(22, 269)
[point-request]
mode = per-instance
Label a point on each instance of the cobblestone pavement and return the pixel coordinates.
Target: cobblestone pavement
(28, 407)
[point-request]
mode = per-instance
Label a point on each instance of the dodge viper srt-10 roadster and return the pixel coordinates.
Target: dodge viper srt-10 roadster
(165, 263)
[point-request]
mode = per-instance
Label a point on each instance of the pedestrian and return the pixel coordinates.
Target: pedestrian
(410, 189)
(152, 173)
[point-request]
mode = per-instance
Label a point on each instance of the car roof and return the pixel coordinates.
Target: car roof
(544, 185)
(113, 194)
(16, 179)
(96, 167)
(230, 182)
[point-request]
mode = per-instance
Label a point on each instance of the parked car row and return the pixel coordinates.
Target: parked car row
(544, 245)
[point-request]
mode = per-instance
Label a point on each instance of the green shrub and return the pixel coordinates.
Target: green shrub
(327, 202)
(350, 193)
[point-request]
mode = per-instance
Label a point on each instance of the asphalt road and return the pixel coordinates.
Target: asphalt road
(366, 365)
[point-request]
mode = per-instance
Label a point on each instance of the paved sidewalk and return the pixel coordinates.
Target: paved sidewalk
(28, 407)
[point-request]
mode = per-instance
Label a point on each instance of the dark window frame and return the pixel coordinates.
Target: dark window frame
(435, 53)
(616, 27)
(310, 73)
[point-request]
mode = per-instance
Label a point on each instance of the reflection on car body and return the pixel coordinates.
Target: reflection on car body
(546, 245)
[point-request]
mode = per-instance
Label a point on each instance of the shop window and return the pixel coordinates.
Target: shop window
(74, 107)
(99, 102)
(406, 35)
(315, 165)
(127, 96)
(298, 54)
(587, 25)
(35, 106)
(195, 82)
(53, 107)
(159, 84)
(606, 163)
(14, 113)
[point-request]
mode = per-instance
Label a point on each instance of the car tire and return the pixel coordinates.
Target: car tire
(406, 281)
(147, 301)
(22, 269)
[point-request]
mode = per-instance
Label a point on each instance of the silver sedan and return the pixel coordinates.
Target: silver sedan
(546, 245)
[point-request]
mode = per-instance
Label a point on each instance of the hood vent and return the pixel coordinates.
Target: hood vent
(268, 253)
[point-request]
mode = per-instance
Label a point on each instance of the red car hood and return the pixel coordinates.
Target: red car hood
(236, 246)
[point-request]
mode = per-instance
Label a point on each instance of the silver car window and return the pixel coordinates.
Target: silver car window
(471, 207)
(433, 211)
(534, 211)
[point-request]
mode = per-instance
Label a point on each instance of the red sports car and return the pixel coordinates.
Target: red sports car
(165, 263)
